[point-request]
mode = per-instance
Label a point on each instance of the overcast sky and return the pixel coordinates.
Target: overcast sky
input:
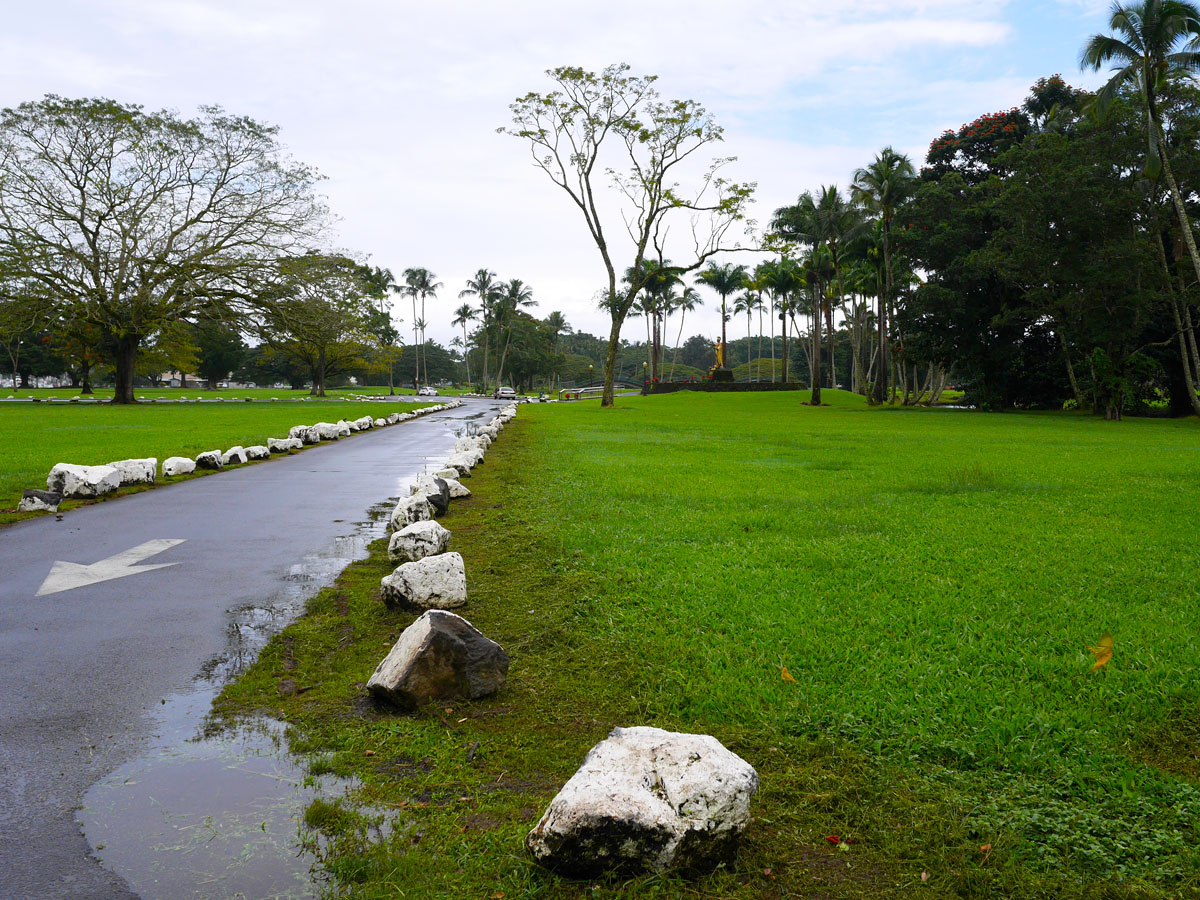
(397, 103)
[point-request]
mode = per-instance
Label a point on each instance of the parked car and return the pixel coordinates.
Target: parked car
(504, 393)
(427, 391)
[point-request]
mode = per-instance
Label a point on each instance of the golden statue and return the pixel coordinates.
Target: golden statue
(720, 348)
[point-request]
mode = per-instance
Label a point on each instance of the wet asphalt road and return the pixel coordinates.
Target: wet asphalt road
(80, 669)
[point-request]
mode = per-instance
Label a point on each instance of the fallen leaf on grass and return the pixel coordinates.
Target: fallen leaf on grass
(787, 676)
(1103, 651)
(924, 876)
(368, 753)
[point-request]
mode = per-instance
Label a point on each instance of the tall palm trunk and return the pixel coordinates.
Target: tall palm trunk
(816, 357)
(1186, 353)
(678, 338)
(416, 346)
(771, 322)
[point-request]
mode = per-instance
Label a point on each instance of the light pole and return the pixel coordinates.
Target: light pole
(591, 377)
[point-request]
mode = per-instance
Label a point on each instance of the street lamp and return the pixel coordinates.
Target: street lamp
(591, 377)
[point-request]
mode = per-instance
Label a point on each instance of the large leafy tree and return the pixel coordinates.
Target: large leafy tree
(319, 316)
(578, 131)
(131, 220)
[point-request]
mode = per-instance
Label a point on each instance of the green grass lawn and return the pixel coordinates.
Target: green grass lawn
(38, 435)
(930, 579)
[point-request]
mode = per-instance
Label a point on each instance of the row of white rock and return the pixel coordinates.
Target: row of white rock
(644, 800)
(441, 655)
(69, 481)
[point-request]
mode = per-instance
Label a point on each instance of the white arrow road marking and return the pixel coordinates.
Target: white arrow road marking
(67, 575)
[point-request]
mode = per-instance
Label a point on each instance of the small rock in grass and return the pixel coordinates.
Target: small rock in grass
(434, 582)
(439, 657)
(647, 800)
(258, 451)
(418, 540)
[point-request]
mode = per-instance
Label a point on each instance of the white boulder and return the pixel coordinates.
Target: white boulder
(438, 657)
(178, 465)
(409, 510)
(345, 429)
(234, 456)
(258, 451)
(381, 423)
(82, 481)
(366, 423)
(210, 459)
(329, 431)
(434, 582)
(283, 445)
(458, 491)
(41, 501)
(137, 471)
(435, 490)
(647, 800)
(418, 540)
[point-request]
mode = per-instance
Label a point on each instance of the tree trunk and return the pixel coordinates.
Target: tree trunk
(318, 374)
(724, 345)
(831, 342)
(126, 359)
(1185, 352)
(610, 361)
(783, 331)
(816, 358)
(1062, 341)
(879, 389)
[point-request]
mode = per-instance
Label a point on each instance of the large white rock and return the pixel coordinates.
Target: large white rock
(82, 481)
(210, 459)
(393, 418)
(418, 540)
(647, 800)
(409, 510)
(435, 582)
(178, 465)
(472, 444)
(306, 434)
(345, 429)
(234, 456)
(283, 445)
(366, 423)
(435, 490)
(381, 423)
(446, 472)
(439, 657)
(258, 451)
(137, 471)
(329, 431)
(458, 491)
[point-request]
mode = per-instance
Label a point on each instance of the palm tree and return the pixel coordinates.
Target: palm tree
(515, 294)
(464, 314)
(783, 280)
(747, 303)
(882, 187)
(486, 289)
(659, 278)
(557, 323)
(685, 302)
(419, 283)
(724, 279)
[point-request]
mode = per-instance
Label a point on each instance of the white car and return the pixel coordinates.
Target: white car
(427, 392)
(504, 393)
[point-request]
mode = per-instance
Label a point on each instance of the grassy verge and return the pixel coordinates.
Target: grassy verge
(929, 578)
(198, 392)
(37, 436)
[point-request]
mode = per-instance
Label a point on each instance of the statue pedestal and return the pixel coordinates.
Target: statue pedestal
(723, 375)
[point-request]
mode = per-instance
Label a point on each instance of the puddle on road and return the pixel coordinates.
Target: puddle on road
(219, 817)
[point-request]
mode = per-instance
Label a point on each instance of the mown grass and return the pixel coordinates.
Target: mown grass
(37, 435)
(929, 578)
